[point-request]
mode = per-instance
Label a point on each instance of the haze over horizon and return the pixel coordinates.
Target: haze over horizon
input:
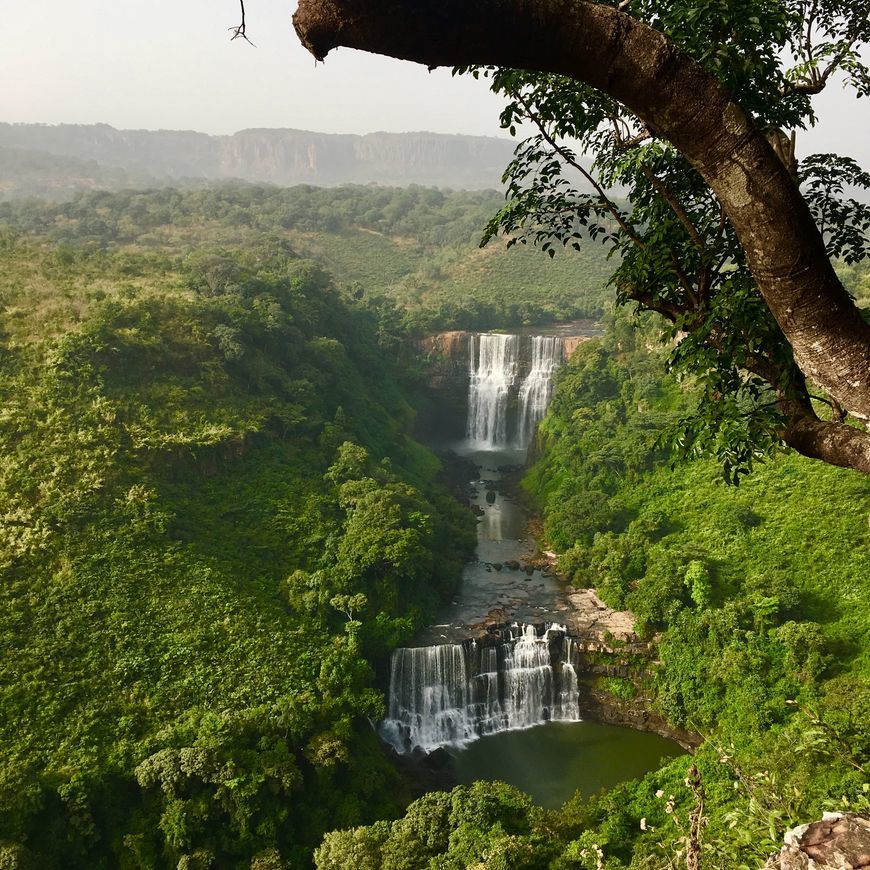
(172, 67)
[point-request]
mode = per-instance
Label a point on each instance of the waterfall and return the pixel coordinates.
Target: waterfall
(454, 693)
(492, 370)
(495, 362)
(536, 389)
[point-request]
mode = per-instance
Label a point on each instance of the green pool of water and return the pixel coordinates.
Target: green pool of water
(550, 762)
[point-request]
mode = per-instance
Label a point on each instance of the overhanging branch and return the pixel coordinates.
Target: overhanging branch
(641, 68)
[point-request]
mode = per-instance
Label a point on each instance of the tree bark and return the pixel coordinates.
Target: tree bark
(680, 101)
(835, 443)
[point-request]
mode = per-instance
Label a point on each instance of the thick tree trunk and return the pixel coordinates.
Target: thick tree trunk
(641, 68)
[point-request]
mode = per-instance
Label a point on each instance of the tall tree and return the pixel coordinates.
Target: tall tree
(684, 104)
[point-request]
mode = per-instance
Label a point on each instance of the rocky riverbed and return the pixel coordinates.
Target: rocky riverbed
(513, 580)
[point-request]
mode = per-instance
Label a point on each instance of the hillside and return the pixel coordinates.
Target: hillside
(215, 526)
(214, 523)
(415, 248)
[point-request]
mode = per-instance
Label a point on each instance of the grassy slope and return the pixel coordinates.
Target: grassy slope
(787, 554)
(814, 527)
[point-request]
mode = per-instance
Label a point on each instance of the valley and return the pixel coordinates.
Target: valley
(253, 511)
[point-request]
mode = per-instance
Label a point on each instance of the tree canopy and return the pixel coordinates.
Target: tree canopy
(684, 105)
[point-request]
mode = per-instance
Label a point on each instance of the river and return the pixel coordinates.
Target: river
(494, 680)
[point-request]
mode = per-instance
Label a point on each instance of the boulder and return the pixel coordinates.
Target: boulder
(840, 841)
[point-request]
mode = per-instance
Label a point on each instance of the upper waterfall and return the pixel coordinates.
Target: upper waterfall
(492, 373)
(500, 413)
(537, 388)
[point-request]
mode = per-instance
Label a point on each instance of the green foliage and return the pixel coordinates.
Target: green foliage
(697, 581)
(486, 824)
(673, 247)
(408, 255)
(751, 591)
(213, 522)
(618, 687)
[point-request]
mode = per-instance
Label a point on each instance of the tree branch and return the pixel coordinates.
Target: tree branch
(238, 30)
(676, 206)
(669, 310)
(575, 164)
(835, 443)
(641, 68)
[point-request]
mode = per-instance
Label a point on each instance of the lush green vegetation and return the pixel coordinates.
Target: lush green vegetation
(856, 277)
(215, 526)
(753, 595)
(416, 247)
(213, 522)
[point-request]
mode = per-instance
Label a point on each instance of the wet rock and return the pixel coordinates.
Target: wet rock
(421, 772)
(512, 564)
(497, 565)
(490, 496)
(438, 759)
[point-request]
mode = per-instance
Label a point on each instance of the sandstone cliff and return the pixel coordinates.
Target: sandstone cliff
(275, 156)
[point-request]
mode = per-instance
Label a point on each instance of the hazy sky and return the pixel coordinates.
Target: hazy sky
(169, 64)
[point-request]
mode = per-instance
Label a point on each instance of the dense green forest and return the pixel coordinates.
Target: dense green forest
(415, 247)
(214, 522)
(216, 525)
(753, 596)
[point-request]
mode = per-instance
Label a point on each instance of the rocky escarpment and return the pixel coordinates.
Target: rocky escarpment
(446, 354)
(274, 156)
(614, 667)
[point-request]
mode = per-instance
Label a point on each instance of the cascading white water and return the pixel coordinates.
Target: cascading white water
(494, 363)
(536, 389)
(454, 693)
(492, 370)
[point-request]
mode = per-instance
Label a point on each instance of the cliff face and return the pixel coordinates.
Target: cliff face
(274, 156)
(446, 356)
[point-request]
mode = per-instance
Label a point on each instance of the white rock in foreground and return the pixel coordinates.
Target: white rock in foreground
(840, 841)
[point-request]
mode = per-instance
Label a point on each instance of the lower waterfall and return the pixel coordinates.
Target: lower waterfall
(451, 694)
